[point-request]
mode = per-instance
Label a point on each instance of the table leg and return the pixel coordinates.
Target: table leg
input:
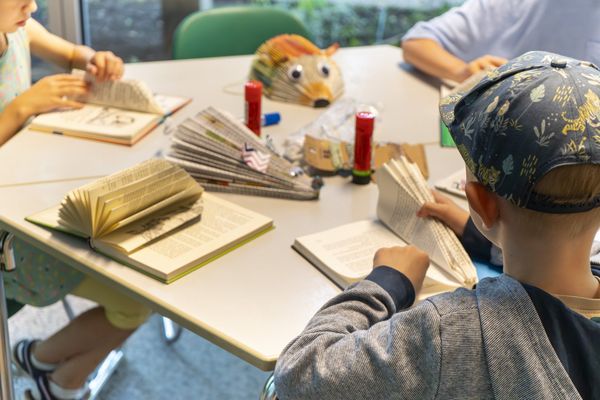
(7, 263)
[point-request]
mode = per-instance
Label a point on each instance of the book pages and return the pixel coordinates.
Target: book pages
(130, 94)
(128, 196)
(402, 192)
(211, 148)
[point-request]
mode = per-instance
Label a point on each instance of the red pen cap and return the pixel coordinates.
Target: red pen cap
(365, 122)
(253, 91)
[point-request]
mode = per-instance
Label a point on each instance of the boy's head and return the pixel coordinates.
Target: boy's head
(530, 136)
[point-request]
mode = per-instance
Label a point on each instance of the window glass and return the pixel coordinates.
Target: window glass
(141, 30)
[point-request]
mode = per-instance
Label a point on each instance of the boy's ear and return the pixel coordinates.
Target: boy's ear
(483, 202)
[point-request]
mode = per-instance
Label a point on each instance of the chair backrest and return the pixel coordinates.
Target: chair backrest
(232, 31)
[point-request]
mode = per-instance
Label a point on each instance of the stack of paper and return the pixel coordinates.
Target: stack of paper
(225, 156)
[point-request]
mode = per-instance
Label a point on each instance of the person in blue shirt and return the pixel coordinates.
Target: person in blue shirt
(482, 34)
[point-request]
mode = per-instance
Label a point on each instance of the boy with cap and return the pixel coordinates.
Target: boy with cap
(530, 136)
(484, 33)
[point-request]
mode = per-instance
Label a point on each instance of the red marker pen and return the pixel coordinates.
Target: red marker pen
(253, 95)
(361, 173)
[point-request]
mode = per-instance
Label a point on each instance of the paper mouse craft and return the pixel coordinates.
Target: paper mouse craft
(293, 69)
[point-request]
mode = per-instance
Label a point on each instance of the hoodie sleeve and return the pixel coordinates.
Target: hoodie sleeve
(359, 346)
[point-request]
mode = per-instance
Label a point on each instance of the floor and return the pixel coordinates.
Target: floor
(191, 368)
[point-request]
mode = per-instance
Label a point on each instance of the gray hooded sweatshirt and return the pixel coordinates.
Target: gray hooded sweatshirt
(487, 343)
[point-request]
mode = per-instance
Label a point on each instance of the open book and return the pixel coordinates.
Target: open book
(454, 183)
(224, 155)
(119, 112)
(153, 217)
(345, 253)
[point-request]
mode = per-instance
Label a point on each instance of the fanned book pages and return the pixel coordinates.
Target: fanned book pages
(119, 112)
(153, 217)
(223, 155)
(345, 253)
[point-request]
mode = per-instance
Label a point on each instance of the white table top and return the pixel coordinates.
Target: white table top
(254, 300)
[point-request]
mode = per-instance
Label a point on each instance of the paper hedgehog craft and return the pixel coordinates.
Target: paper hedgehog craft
(292, 69)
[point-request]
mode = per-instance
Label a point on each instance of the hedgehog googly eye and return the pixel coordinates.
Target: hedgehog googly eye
(295, 72)
(324, 69)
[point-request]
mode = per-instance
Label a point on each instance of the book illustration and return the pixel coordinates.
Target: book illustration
(100, 116)
(293, 69)
(153, 217)
(223, 155)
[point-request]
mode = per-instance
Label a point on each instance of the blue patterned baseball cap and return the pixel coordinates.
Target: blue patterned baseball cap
(535, 113)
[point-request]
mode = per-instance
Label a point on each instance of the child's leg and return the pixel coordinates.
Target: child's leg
(80, 346)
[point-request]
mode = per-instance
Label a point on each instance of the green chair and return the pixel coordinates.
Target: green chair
(232, 31)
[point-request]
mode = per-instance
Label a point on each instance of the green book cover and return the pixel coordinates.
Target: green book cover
(445, 137)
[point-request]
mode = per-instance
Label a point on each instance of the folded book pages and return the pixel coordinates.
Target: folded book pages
(120, 112)
(294, 70)
(153, 217)
(223, 155)
(345, 253)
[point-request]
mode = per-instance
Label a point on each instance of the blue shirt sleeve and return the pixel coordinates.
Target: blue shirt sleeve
(471, 30)
(398, 286)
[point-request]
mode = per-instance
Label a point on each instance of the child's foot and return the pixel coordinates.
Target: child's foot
(45, 389)
(22, 357)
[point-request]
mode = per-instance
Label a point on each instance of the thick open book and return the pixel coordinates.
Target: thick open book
(119, 112)
(154, 217)
(345, 253)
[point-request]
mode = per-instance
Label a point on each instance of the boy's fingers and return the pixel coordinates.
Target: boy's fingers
(435, 210)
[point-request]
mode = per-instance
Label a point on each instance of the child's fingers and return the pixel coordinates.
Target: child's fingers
(64, 102)
(440, 198)
(435, 210)
(100, 63)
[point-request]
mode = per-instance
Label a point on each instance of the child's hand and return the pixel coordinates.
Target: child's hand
(410, 260)
(105, 66)
(50, 93)
(446, 211)
(480, 64)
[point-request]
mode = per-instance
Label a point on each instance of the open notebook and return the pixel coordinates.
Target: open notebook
(119, 112)
(345, 253)
(155, 218)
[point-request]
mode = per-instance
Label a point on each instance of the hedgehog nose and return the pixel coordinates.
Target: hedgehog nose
(320, 103)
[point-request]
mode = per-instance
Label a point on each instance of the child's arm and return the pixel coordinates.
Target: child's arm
(47, 94)
(428, 56)
(104, 65)
(359, 346)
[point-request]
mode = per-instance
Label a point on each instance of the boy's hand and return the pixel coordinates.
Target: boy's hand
(410, 260)
(50, 93)
(446, 211)
(105, 66)
(480, 64)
